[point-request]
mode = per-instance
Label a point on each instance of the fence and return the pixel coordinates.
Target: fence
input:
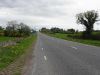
(10, 42)
(7, 43)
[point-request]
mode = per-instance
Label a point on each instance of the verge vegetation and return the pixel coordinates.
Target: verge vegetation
(3, 38)
(66, 37)
(10, 53)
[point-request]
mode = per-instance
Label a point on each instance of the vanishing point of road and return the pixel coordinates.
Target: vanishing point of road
(53, 56)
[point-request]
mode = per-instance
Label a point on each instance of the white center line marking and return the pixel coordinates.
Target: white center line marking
(42, 49)
(45, 57)
(74, 47)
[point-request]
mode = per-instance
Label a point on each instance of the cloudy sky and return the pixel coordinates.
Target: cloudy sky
(46, 13)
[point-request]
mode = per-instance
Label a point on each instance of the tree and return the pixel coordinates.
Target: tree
(33, 31)
(1, 28)
(23, 30)
(17, 30)
(57, 30)
(11, 29)
(45, 30)
(71, 30)
(87, 19)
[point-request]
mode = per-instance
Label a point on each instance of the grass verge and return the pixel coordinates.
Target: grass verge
(9, 54)
(3, 38)
(84, 41)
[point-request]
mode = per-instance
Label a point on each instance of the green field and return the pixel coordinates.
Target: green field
(11, 53)
(3, 38)
(65, 36)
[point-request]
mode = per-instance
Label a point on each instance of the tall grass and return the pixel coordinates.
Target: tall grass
(10, 53)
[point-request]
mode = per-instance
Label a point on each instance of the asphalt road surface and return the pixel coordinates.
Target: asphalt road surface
(55, 56)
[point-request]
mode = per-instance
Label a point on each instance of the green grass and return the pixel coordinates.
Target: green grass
(3, 38)
(96, 33)
(9, 54)
(64, 36)
(58, 35)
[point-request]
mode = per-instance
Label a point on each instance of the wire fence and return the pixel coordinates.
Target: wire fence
(7, 43)
(10, 42)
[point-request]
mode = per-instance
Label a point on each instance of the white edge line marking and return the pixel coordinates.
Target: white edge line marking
(74, 47)
(45, 57)
(86, 45)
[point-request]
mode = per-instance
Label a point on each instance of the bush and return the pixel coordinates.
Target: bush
(81, 36)
(78, 36)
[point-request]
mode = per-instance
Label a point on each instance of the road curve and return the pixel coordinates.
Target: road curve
(53, 56)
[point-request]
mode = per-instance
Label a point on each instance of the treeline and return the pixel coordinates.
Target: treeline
(88, 20)
(15, 29)
(58, 30)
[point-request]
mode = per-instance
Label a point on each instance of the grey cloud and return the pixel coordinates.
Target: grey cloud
(45, 11)
(46, 8)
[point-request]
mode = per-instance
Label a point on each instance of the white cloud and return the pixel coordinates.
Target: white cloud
(40, 13)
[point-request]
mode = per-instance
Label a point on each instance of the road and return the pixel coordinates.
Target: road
(55, 56)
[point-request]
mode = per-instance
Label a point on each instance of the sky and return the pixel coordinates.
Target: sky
(47, 13)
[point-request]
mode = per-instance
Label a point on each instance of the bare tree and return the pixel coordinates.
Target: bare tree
(17, 30)
(11, 28)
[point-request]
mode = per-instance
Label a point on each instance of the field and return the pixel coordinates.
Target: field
(85, 41)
